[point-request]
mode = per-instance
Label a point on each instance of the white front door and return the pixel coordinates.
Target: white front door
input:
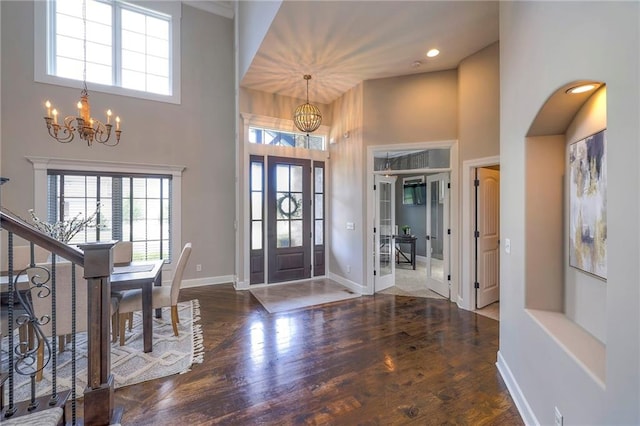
(437, 233)
(488, 237)
(384, 225)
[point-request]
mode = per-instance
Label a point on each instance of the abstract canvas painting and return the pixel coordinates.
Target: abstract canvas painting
(588, 205)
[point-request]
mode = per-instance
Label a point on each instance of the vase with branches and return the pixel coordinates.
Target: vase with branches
(65, 230)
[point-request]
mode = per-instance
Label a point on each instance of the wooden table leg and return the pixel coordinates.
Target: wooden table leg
(158, 283)
(147, 320)
(413, 254)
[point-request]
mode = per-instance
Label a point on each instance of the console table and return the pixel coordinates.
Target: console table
(406, 239)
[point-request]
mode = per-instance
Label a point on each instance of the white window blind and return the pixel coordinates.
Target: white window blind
(134, 208)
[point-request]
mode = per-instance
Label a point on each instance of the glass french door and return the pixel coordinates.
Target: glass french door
(437, 233)
(385, 187)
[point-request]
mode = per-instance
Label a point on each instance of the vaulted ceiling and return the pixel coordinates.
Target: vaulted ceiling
(342, 43)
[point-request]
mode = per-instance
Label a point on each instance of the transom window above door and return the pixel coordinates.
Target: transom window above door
(258, 135)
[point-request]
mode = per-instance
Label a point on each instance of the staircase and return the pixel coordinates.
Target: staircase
(23, 339)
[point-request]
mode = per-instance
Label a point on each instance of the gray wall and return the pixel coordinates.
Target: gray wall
(198, 133)
(543, 46)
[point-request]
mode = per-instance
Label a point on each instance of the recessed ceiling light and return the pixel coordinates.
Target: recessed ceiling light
(582, 88)
(432, 53)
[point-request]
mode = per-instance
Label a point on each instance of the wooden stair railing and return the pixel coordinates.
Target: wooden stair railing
(96, 259)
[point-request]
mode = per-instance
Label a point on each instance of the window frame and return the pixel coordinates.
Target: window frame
(41, 166)
(56, 206)
(42, 29)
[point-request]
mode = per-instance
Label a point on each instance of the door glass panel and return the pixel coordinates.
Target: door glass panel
(256, 205)
(256, 235)
(385, 229)
(282, 178)
(296, 178)
(436, 205)
(295, 206)
(319, 178)
(256, 176)
(283, 206)
(319, 232)
(296, 233)
(319, 206)
(282, 237)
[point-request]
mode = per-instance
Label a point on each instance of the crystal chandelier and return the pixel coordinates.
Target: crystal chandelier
(88, 129)
(307, 117)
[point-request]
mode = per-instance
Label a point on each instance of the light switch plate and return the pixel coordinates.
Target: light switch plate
(351, 226)
(507, 245)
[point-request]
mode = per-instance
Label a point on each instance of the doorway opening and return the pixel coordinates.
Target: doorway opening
(411, 230)
(479, 284)
(287, 213)
(487, 239)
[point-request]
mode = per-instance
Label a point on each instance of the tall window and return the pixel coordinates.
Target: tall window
(257, 202)
(133, 208)
(127, 46)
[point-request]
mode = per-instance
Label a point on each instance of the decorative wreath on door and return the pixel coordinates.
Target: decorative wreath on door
(290, 204)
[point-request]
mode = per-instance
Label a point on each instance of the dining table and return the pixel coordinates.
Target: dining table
(141, 275)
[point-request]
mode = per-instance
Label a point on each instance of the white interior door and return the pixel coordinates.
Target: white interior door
(384, 225)
(437, 234)
(488, 237)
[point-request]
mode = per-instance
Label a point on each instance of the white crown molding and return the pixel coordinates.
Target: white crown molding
(43, 163)
(222, 8)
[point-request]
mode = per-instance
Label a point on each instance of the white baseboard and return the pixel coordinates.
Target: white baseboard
(518, 397)
(199, 282)
(355, 287)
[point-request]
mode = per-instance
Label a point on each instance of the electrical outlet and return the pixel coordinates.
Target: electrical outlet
(198, 268)
(558, 417)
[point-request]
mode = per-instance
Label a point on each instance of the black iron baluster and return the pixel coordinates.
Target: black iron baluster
(11, 408)
(54, 335)
(73, 344)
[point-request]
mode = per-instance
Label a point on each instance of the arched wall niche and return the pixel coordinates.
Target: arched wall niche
(568, 303)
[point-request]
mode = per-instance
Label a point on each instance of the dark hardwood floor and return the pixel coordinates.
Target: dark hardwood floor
(374, 360)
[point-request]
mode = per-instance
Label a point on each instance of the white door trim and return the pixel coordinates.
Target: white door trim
(465, 294)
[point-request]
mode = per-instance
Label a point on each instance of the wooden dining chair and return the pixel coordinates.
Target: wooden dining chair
(162, 296)
(122, 253)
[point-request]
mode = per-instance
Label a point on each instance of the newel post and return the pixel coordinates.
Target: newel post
(98, 395)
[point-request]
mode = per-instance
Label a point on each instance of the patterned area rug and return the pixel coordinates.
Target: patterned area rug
(129, 364)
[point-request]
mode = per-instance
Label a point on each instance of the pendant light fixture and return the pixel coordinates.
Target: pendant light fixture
(307, 117)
